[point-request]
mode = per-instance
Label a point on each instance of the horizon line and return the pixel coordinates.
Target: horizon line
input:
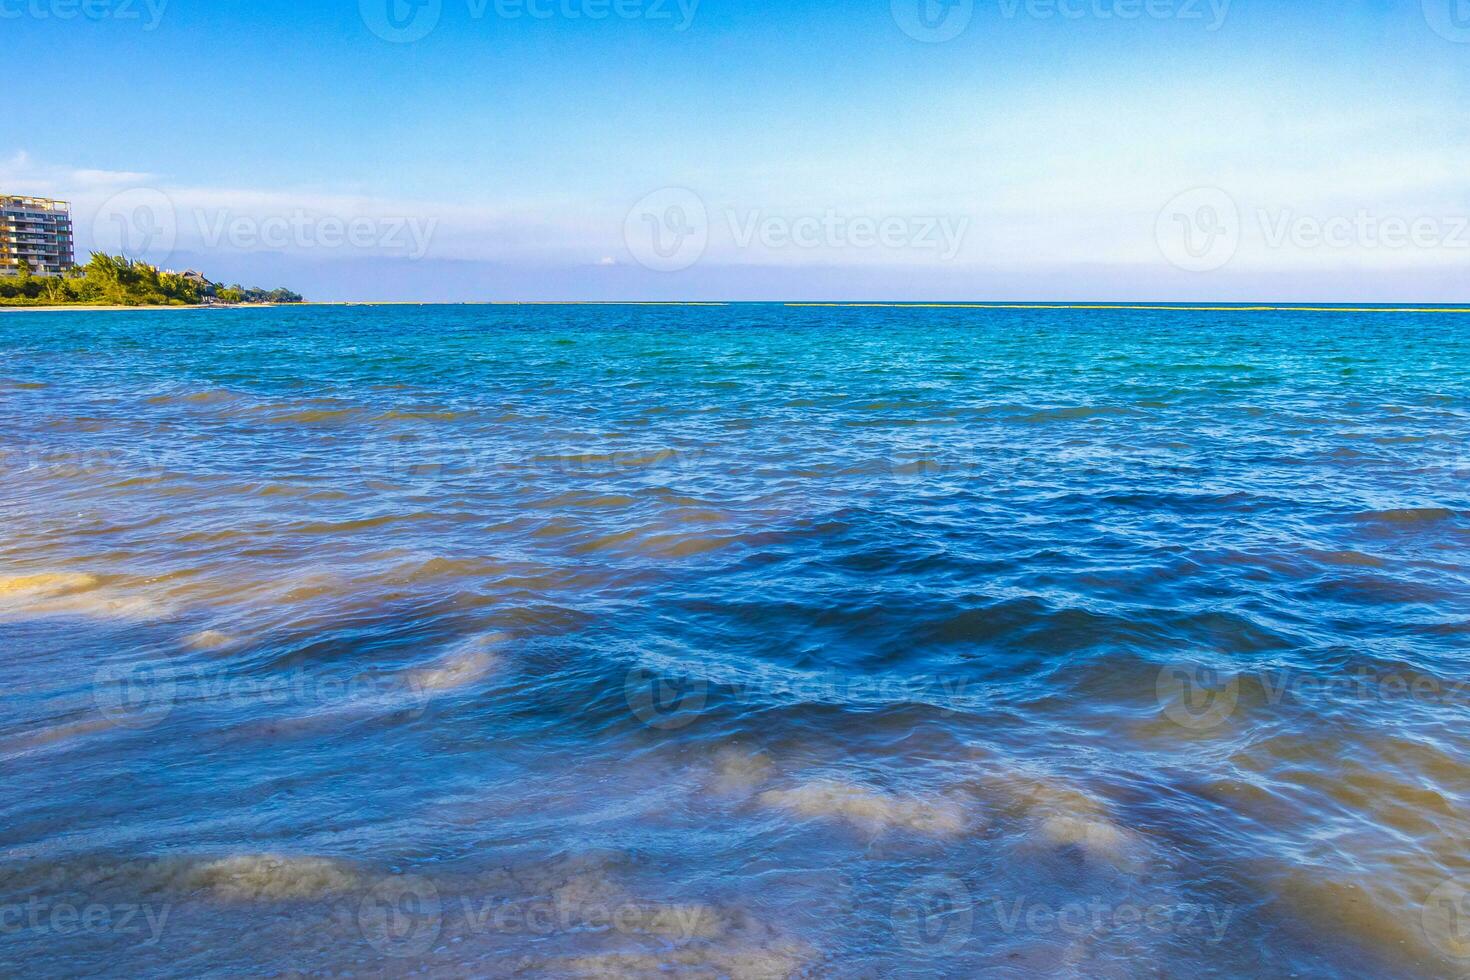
(1185, 306)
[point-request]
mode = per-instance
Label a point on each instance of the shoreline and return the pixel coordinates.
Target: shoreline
(1144, 307)
(1182, 307)
(80, 308)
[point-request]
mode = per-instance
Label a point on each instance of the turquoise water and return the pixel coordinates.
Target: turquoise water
(742, 641)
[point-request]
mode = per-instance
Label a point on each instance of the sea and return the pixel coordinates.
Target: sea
(735, 641)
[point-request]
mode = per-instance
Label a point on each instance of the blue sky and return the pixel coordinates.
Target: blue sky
(530, 149)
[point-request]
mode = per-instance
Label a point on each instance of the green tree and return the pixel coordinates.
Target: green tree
(114, 280)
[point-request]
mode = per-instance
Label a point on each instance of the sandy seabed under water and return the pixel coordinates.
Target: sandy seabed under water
(735, 642)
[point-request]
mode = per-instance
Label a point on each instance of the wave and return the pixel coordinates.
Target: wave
(1407, 516)
(1077, 413)
(1063, 817)
(210, 640)
(870, 810)
(315, 416)
(468, 663)
(271, 878)
(82, 595)
(207, 396)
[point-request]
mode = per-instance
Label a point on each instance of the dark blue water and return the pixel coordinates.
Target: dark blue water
(745, 642)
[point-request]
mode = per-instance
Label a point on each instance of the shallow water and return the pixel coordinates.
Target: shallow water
(738, 641)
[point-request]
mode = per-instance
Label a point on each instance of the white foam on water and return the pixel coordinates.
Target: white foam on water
(777, 962)
(48, 584)
(675, 940)
(467, 663)
(272, 877)
(53, 594)
(869, 809)
(739, 773)
(1097, 837)
(258, 877)
(610, 929)
(57, 734)
(1061, 816)
(209, 640)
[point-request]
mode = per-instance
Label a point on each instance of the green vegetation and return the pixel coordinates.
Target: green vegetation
(111, 280)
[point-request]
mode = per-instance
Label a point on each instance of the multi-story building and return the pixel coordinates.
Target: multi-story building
(36, 231)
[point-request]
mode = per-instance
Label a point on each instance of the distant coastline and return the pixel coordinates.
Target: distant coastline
(123, 308)
(43, 307)
(116, 282)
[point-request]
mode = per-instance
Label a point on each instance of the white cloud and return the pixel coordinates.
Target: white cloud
(161, 216)
(20, 173)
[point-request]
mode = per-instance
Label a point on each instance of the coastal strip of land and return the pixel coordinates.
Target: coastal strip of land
(76, 307)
